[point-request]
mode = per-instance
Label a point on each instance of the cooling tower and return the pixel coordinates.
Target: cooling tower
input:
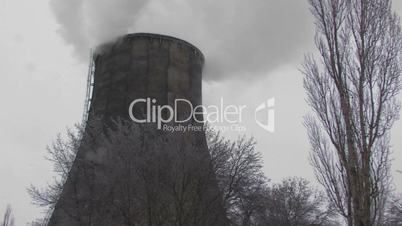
(136, 66)
(145, 65)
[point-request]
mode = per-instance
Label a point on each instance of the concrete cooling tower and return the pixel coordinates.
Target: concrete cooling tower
(158, 70)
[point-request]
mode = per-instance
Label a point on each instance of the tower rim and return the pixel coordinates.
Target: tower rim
(155, 36)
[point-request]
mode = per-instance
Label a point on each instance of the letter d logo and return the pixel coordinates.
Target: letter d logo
(267, 106)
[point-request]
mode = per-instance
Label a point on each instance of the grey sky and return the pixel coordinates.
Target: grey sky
(253, 48)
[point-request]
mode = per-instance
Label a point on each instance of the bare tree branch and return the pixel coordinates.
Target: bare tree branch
(352, 90)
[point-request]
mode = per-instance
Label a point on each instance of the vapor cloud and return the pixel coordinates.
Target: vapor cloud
(239, 38)
(87, 23)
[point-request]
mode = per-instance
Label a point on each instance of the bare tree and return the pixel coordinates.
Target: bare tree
(8, 219)
(61, 153)
(161, 181)
(293, 202)
(38, 222)
(393, 212)
(238, 168)
(156, 180)
(352, 89)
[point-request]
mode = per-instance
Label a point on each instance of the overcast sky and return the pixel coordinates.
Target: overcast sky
(253, 51)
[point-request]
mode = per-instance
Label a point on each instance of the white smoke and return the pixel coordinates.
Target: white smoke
(87, 23)
(239, 38)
